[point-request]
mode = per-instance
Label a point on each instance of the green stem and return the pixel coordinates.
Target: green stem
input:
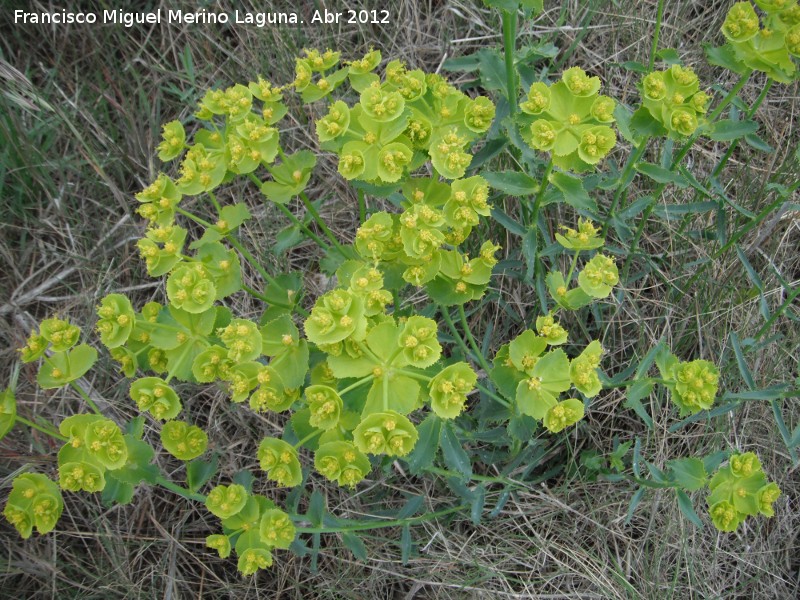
(365, 526)
(355, 385)
(488, 479)
(45, 430)
(193, 217)
(537, 204)
(366, 350)
(478, 354)
(572, 267)
(181, 491)
(633, 158)
(413, 375)
(322, 225)
(289, 215)
(362, 207)
(789, 299)
(251, 260)
(493, 396)
(454, 331)
(385, 390)
(509, 19)
(74, 385)
(311, 435)
(656, 33)
(214, 202)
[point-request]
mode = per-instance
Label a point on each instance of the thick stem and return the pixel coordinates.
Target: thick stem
(355, 385)
(509, 19)
(656, 34)
(310, 436)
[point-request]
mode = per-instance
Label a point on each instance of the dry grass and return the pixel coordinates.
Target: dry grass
(80, 115)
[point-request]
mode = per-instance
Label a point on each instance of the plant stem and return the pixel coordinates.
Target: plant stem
(365, 526)
(362, 207)
(633, 158)
(322, 225)
(478, 354)
(488, 479)
(454, 331)
(355, 385)
(45, 430)
(385, 390)
(572, 267)
(542, 189)
(181, 491)
(509, 19)
(289, 215)
(75, 386)
(214, 202)
(413, 375)
(311, 435)
(656, 33)
(493, 396)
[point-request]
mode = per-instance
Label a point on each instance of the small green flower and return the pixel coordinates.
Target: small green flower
(279, 459)
(579, 83)
(253, 559)
(341, 462)
(551, 330)
(599, 276)
(538, 99)
(449, 389)
(696, 384)
(182, 440)
(60, 333)
(584, 238)
(583, 370)
(563, 415)
(153, 395)
(537, 394)
(335, 123)
(741, 22)
(224, 501)
(325, 405)
(725, 517)
(276, 529)
(387, 433)
(173, 139)
(220, 543)
(191, 288)
(117, 319)
(596, 143)
(420, 345)
(34, 501)
(767, 496)
(243, 340)
(336, 316)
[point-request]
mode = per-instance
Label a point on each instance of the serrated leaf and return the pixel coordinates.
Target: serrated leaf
(116, 491)
(453, 453)
(353, 543)
(688, 473)
(510, 224)
(633, 400)
(492, 69)
(725, 57)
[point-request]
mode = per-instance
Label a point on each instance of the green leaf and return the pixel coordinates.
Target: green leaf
(510, 224)
(688, 473)
(740, 361)
(63, 367)
(316, 508)
(198, 472)
(403, 395)
(138, 467)
(661, 175)
(756, 142)
(728, 129)
(512, 183)
(574, 193)
(492, 69)
(424, 451)
(405, 544)
(685, 504)
(353, 543)
(8, 412)
(635, 500)
(725, 57)
(633, 400)
(453, 453)
(116, 491)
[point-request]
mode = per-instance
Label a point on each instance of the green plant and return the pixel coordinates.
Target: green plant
(365, 384)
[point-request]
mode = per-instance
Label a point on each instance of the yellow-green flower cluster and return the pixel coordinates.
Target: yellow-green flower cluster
(66, 361)
(693, 384)
(534, 378)
(34, 501)
(342, 462)
(399, 122)
(95, 445)
(569, 119)
(674, 99)
(279, 459)
(251, 525)
(155, 396)
(738, 490)
(182, 440)
(765, 43)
